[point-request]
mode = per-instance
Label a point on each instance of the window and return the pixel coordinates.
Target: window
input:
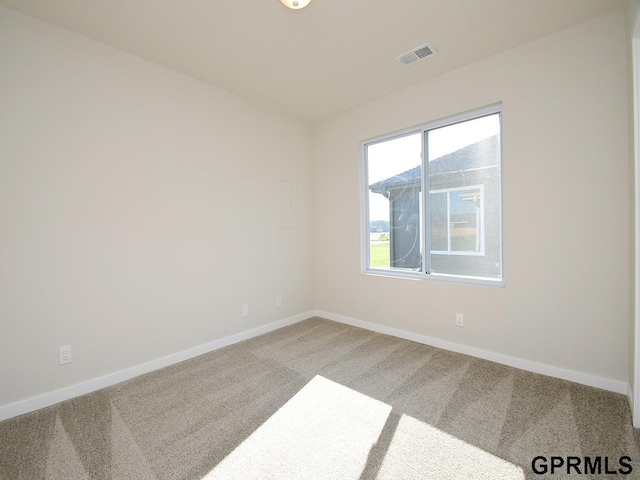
(459, 222)
(456, 216)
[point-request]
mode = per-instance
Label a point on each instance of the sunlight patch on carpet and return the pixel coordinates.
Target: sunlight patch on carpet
(324, 431)
(419, 450)
(328, 430)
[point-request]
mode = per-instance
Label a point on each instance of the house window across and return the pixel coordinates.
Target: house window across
(456, 216)
(454, 232)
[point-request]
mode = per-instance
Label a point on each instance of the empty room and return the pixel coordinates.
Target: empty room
(321, 239)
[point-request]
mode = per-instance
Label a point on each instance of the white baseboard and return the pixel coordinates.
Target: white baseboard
(549, 370)
(57, 396)
(51, 398)
(636, 420)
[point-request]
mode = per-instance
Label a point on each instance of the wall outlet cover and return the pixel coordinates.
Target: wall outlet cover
(65, 354)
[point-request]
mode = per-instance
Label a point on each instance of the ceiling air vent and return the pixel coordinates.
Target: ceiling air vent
(418, 53)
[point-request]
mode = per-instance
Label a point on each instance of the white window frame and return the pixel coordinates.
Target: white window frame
(424, 273)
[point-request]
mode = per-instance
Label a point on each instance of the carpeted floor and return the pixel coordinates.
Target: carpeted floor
(320, 399)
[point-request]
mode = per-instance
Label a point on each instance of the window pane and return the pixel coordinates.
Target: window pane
(394, 183)
(439, 221)
(464, 164)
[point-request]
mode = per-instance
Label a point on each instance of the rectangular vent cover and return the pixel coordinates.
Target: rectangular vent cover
(418, 53)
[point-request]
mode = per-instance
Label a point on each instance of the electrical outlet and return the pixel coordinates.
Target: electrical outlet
(245, 310)
(65, 354)
(279, 301)
(460, 319)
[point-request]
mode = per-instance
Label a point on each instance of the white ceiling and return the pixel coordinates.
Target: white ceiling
(312, 63)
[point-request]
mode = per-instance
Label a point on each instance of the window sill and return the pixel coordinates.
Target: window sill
(435, 277)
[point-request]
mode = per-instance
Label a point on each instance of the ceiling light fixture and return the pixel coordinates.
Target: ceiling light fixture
(296, 4)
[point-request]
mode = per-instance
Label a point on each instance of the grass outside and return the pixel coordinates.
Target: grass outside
(379, 254)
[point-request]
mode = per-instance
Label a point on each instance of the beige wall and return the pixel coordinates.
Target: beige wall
(138, 210)
(566, 206)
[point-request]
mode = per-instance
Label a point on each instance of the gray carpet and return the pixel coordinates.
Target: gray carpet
(320, 399)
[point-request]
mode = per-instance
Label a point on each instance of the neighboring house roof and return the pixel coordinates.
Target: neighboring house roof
(480, 155)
